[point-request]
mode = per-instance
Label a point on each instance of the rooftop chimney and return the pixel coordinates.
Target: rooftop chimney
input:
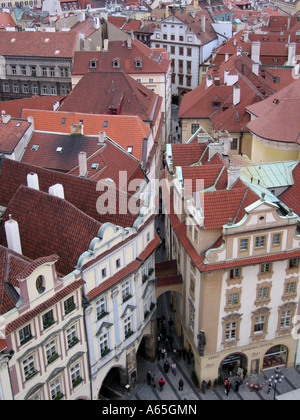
(13, 235)
(226, 57)
(57, 190)
(101, 137)
(236, 95)
(33, 181)
(82, 164)
(77, 128)
(255, 68)
(209, 80)
(105, 45)
(255, 51)
(5, 117)
(129, 42)
(291, 54)
(233, 175)
(203, 22)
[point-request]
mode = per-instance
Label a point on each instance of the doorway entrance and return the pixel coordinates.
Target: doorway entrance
(233, 364)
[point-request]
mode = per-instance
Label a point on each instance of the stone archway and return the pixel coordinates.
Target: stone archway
(231, 363)
(113, 384)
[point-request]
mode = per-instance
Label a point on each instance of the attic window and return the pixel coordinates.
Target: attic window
(63, 120)
(105, 124)
(138, 63)
(116, 63)
(129, 149)
(94, 165)
(93, 64)
(276, 101)
(35, 147)
(59, 149)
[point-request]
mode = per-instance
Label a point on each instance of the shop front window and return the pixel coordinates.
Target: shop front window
(275, 356)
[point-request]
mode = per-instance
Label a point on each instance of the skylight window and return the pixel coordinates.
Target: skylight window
(105, 124)
(94, 165)
(129, 149)
(35, 147)
(59, 149)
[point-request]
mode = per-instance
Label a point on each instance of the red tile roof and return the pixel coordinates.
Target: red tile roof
(50, 225)
(38, 44)
(110, 93)
(80, 192)
(125, 130)
(278, 116)
(14, 107)
(11, 134)
(153, 61)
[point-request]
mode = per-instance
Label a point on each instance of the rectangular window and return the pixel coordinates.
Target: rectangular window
(72, 336)
(51, 352)
(234, 144)
(126, 291)
(55, 389)
(25, 334)
(290, 288)
(263, 293)
(285, 319)
(128, 327)
(195, 127)
(243, 244)
(104, 344)
(276, 239)
(29, 367)
(260, 241)
(118, 263)
(293, 263)
(259, 325)
(103, 273)
(101, 308)
(48, 319)
(76, 375)
(69, 304)
(265, 268)
(235, 273)
(233, 299)
(230, 331)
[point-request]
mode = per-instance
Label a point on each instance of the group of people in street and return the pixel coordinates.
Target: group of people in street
(151, 380)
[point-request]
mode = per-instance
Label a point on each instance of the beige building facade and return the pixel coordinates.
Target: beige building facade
(240, 298)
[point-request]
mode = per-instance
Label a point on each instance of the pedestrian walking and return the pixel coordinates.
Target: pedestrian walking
(161, 384)
(236, 386)
(204, 386)
(153, 381)
(180, 385)
(227, 386)
(167, 366)
(269, 387)
(174, 368)
(149, 377)
(163, 353)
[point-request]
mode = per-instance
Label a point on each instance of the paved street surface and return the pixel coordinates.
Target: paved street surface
(143, 391)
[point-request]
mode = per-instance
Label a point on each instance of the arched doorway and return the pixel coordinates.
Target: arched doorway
(276, 356)
(231, 365)
(113, 384)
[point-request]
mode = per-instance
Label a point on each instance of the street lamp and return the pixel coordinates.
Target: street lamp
(274, 380)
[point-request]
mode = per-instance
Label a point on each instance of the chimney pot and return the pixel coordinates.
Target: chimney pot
(33, 181)
(57, 190)
(13, 235)
(82, 164)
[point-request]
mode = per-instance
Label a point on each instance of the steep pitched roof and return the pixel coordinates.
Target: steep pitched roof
(84, 194)
(278, 116)
(125, 130)
(150, 62)
(291, 197)
(38, 44)
(50, 225)
(110, 93)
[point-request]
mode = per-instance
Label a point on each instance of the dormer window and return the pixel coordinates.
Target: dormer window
(93, 64)
(138, 63)
(116, 63)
